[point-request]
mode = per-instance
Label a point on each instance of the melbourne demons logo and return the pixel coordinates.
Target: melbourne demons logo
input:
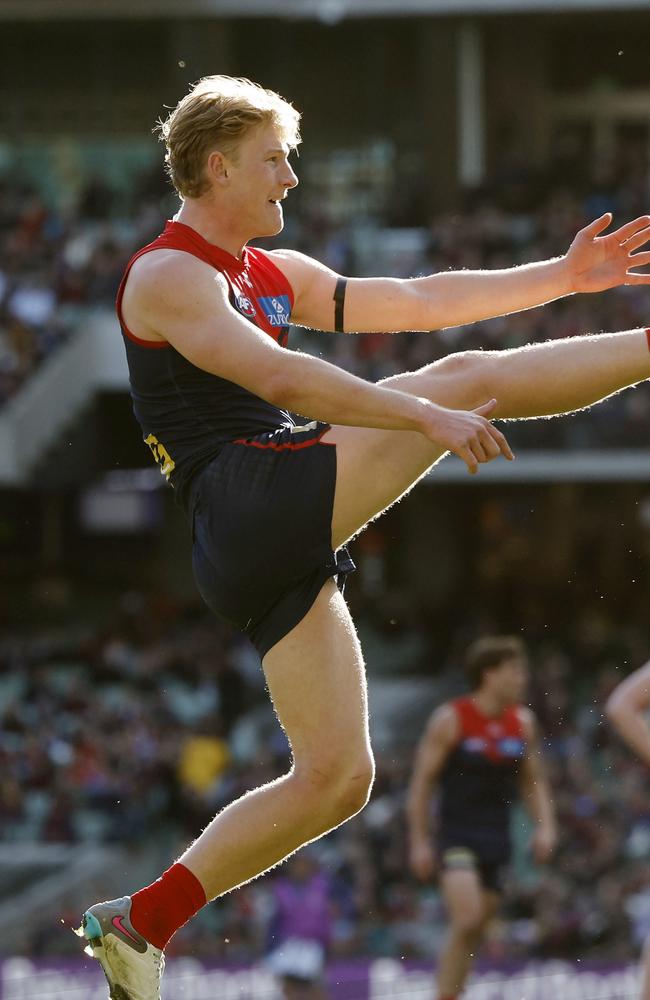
(276, 308)
(244, 305)
(511, 746)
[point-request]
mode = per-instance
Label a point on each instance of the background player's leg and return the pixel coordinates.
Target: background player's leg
(470, 907)
(376, 467)
(317, 682)
(645, 971)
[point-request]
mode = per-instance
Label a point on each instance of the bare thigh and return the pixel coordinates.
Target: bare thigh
(469, 905)
(377, 467)
(316, 678)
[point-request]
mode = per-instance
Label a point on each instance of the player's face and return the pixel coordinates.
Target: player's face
(260, 177)
(510, 680)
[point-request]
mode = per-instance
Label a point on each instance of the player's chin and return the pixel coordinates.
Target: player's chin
(275, 221)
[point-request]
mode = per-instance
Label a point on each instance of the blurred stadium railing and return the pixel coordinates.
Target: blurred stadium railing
(328, 11)
(90, 362)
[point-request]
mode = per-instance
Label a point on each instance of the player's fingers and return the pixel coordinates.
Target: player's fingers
(596, 226)
(476, 445)
(485, 409)
(502, 442)
(628, 231)
(640, 259)
(469, 459)
(637, 239)
(490, 446)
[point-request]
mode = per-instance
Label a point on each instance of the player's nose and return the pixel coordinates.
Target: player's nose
(290, 179)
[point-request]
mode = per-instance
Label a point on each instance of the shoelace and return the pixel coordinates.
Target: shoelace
(159, 963)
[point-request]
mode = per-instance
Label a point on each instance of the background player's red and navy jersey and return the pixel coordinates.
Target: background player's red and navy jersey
(187, 414)
(479, 782)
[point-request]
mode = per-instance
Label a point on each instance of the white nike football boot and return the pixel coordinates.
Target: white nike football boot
(132, 966)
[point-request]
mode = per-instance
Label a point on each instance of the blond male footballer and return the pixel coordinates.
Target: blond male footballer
(205, 321)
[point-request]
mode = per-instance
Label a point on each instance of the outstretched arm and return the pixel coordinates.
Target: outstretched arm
(592, 263)
(181, 300)
(627, 707)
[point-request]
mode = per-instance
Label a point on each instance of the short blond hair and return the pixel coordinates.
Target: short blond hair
(216, 114)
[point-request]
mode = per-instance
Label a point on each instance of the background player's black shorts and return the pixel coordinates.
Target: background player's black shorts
(262, 530)
(491, 870)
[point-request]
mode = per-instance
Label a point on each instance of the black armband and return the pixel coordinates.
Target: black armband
(339, 301)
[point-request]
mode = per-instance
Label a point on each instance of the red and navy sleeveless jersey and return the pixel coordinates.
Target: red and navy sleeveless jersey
(479, 782)
(187, 414)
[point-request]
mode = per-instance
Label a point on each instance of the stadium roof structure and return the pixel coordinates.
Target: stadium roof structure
(327, 11)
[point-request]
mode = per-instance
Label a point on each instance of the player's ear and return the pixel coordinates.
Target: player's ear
(217, 167)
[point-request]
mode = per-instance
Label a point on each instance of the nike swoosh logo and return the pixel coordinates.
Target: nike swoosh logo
(117, 922)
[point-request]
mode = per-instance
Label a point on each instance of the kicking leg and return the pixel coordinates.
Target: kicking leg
(376, 467)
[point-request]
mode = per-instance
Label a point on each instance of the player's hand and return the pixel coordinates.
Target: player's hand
(542, 843)
(468, 433)
(422, 860)
(597, 262)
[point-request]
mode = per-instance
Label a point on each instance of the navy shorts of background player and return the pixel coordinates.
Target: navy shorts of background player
(478, 787)
(257, 488)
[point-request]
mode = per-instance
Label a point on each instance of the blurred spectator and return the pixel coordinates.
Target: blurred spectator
(301, 931)
(204, 757)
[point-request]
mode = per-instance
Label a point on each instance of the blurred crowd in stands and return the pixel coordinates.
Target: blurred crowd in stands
(55, 264)
(136, 730)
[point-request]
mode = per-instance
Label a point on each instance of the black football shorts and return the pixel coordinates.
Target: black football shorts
(262, 530)
(491, 872)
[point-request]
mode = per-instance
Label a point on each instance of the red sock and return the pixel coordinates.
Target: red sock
(647, 334)
(158, 911)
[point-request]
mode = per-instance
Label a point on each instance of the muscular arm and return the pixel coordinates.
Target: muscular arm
(627, 707)
(536, 793)
(173, 296)
(431, 755)
(454, 298)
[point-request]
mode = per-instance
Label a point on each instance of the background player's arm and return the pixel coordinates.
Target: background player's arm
(174, 296)
(453, 298)
(431, 755)
(536, 792)
(627, 707)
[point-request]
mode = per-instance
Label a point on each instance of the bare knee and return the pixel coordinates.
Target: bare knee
(353, 794)
(335, 787)
(469, 925)
(470, 371)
